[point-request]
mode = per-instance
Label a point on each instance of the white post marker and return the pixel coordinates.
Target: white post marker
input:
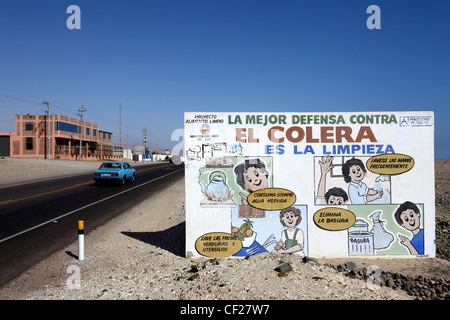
(81, 240)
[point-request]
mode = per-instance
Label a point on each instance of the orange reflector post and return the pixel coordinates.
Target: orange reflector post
(80, 225)
(81, 240)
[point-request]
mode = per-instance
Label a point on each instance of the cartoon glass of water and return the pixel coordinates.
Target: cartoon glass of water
(360, 239)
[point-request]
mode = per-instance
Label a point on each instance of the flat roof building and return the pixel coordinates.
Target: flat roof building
(60, 137)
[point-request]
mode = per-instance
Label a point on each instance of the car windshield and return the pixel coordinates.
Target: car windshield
(109, 165)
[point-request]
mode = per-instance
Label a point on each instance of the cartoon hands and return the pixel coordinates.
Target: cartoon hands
(379, 195)
(407, 243)
(404, 240)
(279, 247)
(326, 164)
(244, 198)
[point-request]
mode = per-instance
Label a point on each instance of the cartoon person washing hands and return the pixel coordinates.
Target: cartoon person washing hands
(354, 172)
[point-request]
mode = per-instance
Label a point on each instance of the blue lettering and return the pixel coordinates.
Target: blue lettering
(309, 149)
(352, 149)
(271, 149)
(355, 148)
(389, 149)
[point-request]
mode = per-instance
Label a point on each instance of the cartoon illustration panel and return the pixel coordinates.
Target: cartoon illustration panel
(387, 230)
(346, 180)
(283, 231)
(227, 181)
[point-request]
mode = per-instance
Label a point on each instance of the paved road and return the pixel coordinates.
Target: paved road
(40, 218)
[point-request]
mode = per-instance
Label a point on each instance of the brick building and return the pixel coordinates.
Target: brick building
(59, 137)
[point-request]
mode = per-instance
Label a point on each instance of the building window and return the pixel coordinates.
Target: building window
(88, 131)
(29, 126)
(63, 126)
(95, 132)
(29, 143)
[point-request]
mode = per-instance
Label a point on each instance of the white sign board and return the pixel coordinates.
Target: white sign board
(315, 184)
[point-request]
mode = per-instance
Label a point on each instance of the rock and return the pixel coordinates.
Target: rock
(424, 288)
(194, 268)
(390, 283)
(351, 266)
(438, 289)
(309, 259)
(282, 274)
(407, 286)
(285, 267)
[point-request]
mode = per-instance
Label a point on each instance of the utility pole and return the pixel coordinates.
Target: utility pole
(81, 129)
(145, 140)
(120, 125)
(48, 126)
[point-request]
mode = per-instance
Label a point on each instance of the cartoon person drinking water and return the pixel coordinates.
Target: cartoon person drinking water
(251, 175)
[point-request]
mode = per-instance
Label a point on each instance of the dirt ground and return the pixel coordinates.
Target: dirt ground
(134, 257)
(442, 182)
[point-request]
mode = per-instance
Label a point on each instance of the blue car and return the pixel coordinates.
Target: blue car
(119, 171)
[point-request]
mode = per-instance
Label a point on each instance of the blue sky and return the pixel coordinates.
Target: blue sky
(159, 59)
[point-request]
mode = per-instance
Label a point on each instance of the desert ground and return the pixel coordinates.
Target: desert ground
(140, 256)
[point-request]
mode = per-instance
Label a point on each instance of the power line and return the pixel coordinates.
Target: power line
(58, 105)
(19, 99)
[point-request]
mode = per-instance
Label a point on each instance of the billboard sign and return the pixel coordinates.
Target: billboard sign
(316, 184)
(139, 149)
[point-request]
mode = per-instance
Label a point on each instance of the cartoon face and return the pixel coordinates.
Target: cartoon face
(356, 174)
(289, 219)
(410, 219)
(336, 200)
(254, 179)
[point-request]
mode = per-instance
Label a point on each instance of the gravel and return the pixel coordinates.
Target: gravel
(21, 170)
(140, 256)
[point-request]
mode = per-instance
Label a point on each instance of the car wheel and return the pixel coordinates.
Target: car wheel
(122, 181)
(133, 177)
